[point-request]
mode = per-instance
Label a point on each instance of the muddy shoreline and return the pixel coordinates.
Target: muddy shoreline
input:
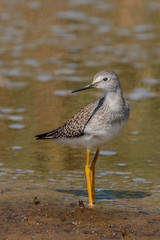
(27, 217)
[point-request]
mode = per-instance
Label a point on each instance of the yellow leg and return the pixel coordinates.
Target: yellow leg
(88, 178)
(92, 168)
(90, 172)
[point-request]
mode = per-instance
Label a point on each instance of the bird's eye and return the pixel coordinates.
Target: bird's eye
(105, 79)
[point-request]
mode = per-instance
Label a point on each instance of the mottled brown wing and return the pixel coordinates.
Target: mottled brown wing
(75, 126)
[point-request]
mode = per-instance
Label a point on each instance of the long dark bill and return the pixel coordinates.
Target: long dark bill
(83, 88)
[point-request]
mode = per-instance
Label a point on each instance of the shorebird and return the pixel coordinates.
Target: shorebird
(96, 124)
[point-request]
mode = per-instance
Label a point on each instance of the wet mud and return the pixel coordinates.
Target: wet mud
(28, 217)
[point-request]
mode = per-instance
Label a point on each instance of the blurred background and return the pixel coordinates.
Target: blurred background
(47, 49)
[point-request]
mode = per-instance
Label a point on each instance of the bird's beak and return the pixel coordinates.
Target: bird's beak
(84, 88)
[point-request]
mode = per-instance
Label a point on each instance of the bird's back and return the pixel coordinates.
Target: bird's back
(76, 125)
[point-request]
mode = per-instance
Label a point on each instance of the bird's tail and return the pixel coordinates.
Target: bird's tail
(47, 135)
(41, 136)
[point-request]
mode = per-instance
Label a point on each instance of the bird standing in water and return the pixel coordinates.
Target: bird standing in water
(96, 124)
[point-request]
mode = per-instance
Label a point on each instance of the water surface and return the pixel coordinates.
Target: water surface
(47, 49)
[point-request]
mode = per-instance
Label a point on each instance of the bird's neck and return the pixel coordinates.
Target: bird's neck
(114, 99)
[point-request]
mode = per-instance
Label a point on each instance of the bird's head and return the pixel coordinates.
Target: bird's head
(107, 81)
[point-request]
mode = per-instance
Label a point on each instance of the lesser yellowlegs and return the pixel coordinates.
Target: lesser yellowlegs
(96, 124)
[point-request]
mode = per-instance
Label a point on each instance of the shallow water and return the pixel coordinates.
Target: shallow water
(49, 48)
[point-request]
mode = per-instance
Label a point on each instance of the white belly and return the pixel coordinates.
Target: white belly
(95, 140)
